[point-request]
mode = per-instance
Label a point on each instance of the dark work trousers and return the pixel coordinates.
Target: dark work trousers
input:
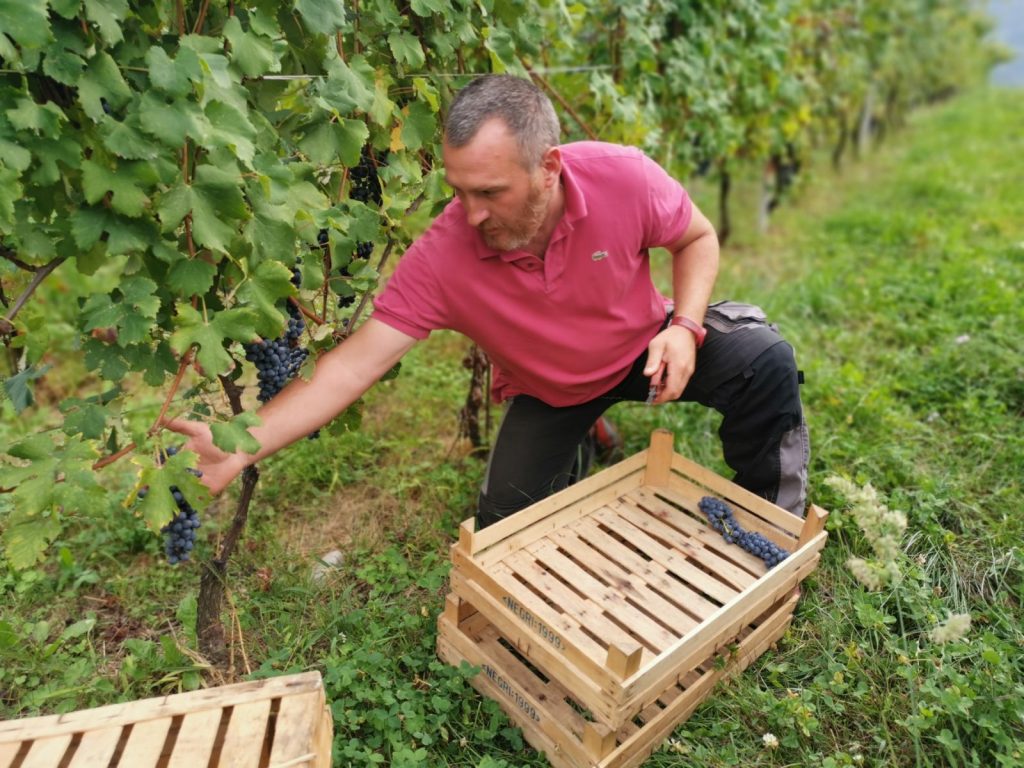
(744, 370)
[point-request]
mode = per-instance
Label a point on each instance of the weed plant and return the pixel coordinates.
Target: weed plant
(898, 282)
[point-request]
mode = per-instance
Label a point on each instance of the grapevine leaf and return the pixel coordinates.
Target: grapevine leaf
(191, 277)
(230, 128)
(234, 435)
(25, 21)
(194, 330)
(25, 541)
(61, 60)
(127, 140)
(419, 126)
(321, 16)
(106, 15)
(174, 76)
(214, 201)
(428, 7)
(66, 8)
(406, 48)
(102, 81)
(41, 119)
(127, 196)
(18, 387)
(87, 419)
(10, 192)
(331, 141)
(501, 46)
(270, 232)
(349, 86)
(253, 54)
(175, 122)
(269, 283)
(158, 507)
(106, 359)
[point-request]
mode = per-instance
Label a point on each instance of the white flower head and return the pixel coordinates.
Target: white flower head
(952, 629)
(770, 741)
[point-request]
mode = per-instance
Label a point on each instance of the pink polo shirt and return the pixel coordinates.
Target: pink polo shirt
(567, 328)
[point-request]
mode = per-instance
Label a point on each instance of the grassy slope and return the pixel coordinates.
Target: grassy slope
(897, 282)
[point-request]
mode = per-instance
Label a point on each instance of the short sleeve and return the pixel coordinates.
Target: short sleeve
(412, 300)
(668, 206)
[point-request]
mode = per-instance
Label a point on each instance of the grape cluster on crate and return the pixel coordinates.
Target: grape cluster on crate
(722, 520)
(180, 532)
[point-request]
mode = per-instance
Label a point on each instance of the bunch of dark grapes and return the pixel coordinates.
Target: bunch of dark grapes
(366, 189)
(180, 533)
(722, 520)
(278, 360)
(365, 184)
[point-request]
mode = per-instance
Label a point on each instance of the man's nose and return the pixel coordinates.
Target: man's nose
(476, 214)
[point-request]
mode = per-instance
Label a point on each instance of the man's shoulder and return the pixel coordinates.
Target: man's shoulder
(599, 151)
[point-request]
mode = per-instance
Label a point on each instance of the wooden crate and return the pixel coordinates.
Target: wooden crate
(281, 722)
(619, 587)
(553, 720)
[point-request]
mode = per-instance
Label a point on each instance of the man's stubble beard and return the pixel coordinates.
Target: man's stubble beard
(520, 231)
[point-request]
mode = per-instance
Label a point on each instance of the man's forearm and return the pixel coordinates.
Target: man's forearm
(694, 270)
(340, 377)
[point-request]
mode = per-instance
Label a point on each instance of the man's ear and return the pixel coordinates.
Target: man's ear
(551, 164)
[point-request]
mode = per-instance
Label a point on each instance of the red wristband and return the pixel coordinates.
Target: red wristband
(698, 331)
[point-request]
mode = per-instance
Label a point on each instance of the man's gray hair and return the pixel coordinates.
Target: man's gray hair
(520, 104)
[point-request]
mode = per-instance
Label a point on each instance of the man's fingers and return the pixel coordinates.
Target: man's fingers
(185, 427)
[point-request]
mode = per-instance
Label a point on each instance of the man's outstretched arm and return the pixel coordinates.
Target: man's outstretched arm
(341, 376)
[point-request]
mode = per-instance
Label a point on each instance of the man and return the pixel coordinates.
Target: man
(542, 259)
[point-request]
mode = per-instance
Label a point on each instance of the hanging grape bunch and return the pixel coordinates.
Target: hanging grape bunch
(364, 187)
(180, 532)
(722, 520)
(278, 360)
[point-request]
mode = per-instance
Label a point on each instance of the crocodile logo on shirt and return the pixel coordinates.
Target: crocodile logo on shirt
(598, 255)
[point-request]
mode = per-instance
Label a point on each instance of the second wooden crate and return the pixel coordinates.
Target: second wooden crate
(280, 722)
(619, 587)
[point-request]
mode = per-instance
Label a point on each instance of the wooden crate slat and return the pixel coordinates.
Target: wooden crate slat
(9, 751)
(245, 735)
(611, 600)
(758, 506)
(96, 747)
(562, 665)
(552, 692)
(633, 588)
(587, 612)
(634, 751)
(685, 494)
(537, 520)
(292, 737)
(161, 706)
(699, 529)
(48, 752)
(650, 571)
(501, 582)
(197, 737)
(524, 708)
(662, 524)
(778, 581)
(674, 562)
(145, 743)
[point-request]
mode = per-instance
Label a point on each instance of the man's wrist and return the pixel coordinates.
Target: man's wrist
(699, 331)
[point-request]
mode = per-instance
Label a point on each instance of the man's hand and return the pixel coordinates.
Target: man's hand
(671, 358)
(218, 467)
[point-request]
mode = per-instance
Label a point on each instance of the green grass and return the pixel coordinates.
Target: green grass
(898, 282)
